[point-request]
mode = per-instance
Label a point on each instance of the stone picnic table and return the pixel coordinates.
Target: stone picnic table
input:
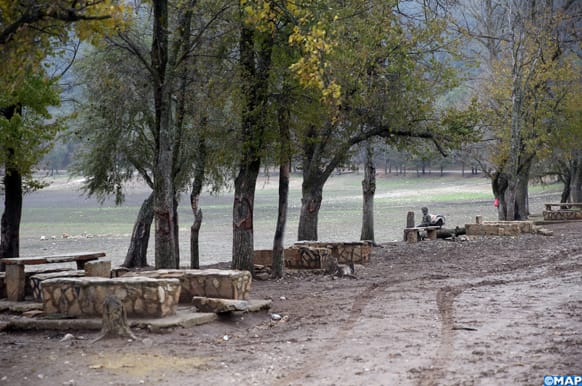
(15, 278)
(563, 211)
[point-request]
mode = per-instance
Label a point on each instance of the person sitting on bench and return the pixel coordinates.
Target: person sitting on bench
(431, 219)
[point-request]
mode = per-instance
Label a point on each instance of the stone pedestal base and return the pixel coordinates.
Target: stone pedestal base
(141, 296)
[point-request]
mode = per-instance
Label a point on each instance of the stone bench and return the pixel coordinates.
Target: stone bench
(565, 211)
(304, 257)
(37, 279)
(500, 228)
(210, 283)
(356, 252)
(141, 296)
(295, 257)
(411, 234)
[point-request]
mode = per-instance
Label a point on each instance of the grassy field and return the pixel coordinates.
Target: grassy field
(61, 209)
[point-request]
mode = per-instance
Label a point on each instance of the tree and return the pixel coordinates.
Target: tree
(524, 87)
(376, 52)
(255, 63)
(368, 191)
(120, 124)
(30, 32)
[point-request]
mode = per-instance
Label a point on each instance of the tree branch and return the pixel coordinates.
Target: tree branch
(37, 13)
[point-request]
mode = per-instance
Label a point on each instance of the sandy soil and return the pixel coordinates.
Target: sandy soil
(479, 312)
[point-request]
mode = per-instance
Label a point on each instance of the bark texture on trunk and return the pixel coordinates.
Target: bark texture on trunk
(10, 223)
(255, 65)
(164, 191)
(312, 195)
(242, 216)
(195, 237)
(368, 190)
(284, 169)
(576, 180)
(197, 184)
(12, 215)
(279, 239)
(140, 237)
(499, 186)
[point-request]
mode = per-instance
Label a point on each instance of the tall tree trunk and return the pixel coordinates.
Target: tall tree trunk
(242, 217)
(176, 233)
(312, 195)
(566, 178)
(140, 237)
(368, 190)
(197, 184)
(10, 224)
(255, 66)
(499, 185)
(165, 249)
(284, 167)
(521, 195)
(576, 184)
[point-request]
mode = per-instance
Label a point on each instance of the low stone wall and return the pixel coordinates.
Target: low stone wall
(263, 257)
(36, 281)
(28, 290)
(141, 296)
(357, 252)
(210, 283)
(562, 215)
(304, 257)
(501, 228)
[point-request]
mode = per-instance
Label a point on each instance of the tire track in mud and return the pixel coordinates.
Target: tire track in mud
(360, 302)
(445, 299)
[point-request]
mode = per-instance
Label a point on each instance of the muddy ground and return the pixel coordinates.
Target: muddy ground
(486, 311)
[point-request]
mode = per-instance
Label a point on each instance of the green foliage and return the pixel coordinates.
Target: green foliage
(25, 136)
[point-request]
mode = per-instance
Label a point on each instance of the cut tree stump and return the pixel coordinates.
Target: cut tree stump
(114, 320)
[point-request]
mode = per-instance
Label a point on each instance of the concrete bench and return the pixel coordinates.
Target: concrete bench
(84, 296)
(411, 234)
(210, 283)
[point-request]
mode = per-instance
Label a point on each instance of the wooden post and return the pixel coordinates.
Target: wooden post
(479, 220)
(409, 223)
(410, 220)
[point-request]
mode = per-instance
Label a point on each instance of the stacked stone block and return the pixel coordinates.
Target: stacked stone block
(357, 252)
(141, 296)
(36, 281)
(307, 257)
(98, 268)
(210, 283)
(562, 215)
(500, 228)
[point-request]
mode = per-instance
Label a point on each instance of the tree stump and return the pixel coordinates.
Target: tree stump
(114, 320)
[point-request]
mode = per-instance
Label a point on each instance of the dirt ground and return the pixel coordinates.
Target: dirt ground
(486, 311)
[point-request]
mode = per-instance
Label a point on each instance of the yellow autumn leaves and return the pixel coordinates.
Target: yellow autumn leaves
(310, 38)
